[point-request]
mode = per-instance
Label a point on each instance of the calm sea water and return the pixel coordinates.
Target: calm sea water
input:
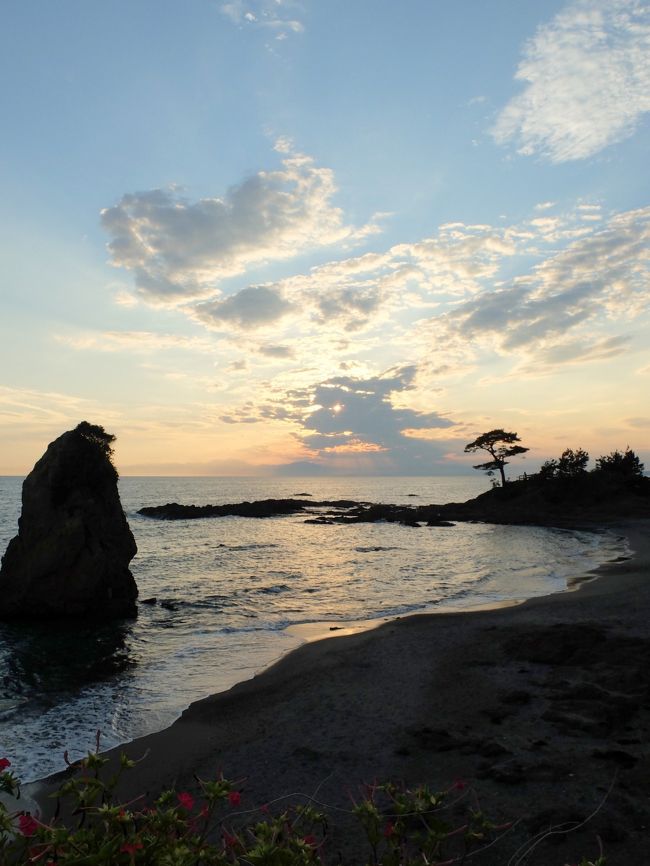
(232, 586)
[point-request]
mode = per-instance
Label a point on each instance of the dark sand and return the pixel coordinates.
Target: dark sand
(543, 709)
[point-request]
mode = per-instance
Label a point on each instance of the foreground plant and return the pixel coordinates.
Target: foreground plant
(403, 826)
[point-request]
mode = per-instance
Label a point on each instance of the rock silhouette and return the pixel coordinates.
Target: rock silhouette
(72, 552)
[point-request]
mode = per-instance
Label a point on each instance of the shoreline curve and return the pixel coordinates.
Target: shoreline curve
(492, 696)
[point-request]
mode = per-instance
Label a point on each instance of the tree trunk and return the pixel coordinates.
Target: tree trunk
(503, 475)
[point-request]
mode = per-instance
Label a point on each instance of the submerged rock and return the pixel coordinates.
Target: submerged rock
(72, 552)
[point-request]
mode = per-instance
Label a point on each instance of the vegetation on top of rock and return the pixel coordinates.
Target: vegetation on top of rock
(100, 440)
(564, 491)
(570, 464)
(626, 464)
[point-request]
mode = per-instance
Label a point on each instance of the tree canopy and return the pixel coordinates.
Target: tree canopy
(626, 463)
(499, 444)
(569, 465)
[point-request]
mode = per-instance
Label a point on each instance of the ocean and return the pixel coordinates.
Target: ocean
(232, 591)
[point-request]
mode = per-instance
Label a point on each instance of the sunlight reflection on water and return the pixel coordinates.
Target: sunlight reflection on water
(232, 585)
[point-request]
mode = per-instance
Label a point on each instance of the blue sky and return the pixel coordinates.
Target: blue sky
(278, 236)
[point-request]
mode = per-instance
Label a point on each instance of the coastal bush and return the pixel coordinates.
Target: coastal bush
(625, 464)
(620, 465)
(570, 464)
(402, 826)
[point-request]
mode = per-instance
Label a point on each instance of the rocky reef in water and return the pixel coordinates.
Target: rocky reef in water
(72, 552)
(593, 497)
(260, 508)
(326, 511)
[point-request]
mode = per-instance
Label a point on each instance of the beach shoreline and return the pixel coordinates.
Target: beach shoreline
(538, 705)
(321, 630)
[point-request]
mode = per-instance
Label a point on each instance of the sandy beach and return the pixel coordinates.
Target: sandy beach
(541, 709)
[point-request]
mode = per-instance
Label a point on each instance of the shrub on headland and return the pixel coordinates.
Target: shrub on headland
(615, 476)
(573, 464)
(626, 464)
(570, 464)
(402, 826)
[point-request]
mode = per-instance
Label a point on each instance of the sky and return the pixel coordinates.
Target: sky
(297, 237)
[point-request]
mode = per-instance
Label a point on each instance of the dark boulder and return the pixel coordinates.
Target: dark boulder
(72, 552)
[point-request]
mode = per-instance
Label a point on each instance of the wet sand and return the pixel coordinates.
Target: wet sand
(543, 709)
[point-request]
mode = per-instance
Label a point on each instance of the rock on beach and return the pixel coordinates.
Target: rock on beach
(72, 552)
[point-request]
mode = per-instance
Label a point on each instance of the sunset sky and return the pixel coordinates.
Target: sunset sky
(324, 236)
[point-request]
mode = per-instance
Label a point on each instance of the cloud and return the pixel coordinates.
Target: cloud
(343, 420)
(598, 278)
(179, 250)
(366, 291)
(253, 307)
(135, 341)
(181, 253)
(29, 414)
(352, 306)
(239, 418)
(548, 359)
(587, 81)
(543, 293)
(279, 352)
(221, 468)
(279, 16)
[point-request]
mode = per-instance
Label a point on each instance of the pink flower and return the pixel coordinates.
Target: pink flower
(4, 763)
(230, 840)
(27, 825)
(205, 811)
(459, 785)
(234, 798)
(310, 840)
(131, 847)
(186, 800)
(389, 830)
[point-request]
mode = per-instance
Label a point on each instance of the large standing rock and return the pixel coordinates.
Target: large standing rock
(72, 552)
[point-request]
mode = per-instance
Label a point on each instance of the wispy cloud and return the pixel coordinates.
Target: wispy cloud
(282, 17)
(587, 81)
(561, 287)
(34, 410)
(135, 341)
(597, 280)
(555, 356)
(558, 288)
(354, 294)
